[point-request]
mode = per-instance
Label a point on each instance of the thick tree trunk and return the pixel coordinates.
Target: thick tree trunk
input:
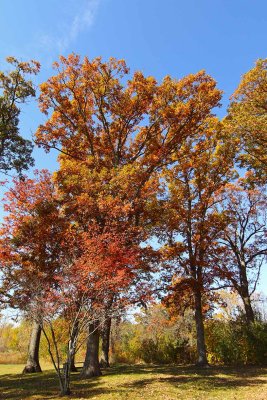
(201, 345)
(249, 310)
(72, 364)
(105, 336)
(244, 292)
(91, 366)
(250, 317)
(32, 364)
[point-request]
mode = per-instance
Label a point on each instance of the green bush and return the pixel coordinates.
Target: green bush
(155, 337)
(235, 342)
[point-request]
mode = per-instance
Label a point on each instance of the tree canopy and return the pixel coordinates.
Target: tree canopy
(16, 89)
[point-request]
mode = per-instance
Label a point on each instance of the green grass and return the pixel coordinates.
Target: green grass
(141, 382)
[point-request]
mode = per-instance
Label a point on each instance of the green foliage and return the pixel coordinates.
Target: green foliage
(61, 333)
(234, 342)
(155, 337)
(15, 89)
(13, 342)
(60, 328)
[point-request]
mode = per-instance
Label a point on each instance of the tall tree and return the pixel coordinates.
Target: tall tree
(243, 241)
(115, 135)
(15, 151)
(189, 224)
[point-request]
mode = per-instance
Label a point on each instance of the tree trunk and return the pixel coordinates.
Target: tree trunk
(91, 366)
(72, 364)
(65, 380)
(249, 310)
(32, 364)
(105, 336)
(72, 358)
(201, 345)
(244, 292)
(250, 317)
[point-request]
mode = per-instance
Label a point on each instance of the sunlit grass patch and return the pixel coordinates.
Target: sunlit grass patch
(142, 382)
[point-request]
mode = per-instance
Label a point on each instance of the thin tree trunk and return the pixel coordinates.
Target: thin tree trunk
(201, 345)
(65, 380)
(72, 358)
(32, 364)
(91, 365)
(105, 336)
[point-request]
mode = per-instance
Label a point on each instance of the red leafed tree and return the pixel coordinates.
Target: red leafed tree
(106, 266)
(243, 242)
(115, 265)
(31, 239)
(31, 247)
(51, 269)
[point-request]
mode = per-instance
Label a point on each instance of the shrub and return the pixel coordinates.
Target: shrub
(235, 342)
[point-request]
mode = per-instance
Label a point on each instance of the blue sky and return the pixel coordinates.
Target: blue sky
(174, 37)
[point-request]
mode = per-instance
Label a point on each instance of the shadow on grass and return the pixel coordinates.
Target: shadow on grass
(122, 379)
(206, 379)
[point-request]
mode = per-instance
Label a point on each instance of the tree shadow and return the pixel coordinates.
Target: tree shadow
(45, 385)
(182, 377)
(204, 382)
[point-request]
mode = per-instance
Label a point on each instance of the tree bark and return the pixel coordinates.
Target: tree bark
(250, 317)
(201, 345)
(244, 292)
(72, 364)
(105, 336)
(32, 364)
(249, 310)
(65, 380)
(91, 366)
(72, 358)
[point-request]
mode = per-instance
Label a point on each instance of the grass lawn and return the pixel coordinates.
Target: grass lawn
(141, 382)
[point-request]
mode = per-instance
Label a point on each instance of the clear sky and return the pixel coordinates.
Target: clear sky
(174, 37)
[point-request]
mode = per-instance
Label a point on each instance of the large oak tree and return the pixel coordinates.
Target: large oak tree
(115, 133)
